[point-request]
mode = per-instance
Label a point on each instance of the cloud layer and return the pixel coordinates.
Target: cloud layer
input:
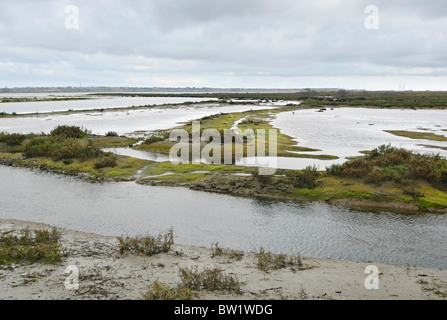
(224, 43)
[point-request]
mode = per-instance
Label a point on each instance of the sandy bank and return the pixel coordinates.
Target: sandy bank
(105, 274)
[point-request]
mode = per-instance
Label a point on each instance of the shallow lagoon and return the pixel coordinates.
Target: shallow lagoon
(123, 121)
(344, 132)
(92, 103)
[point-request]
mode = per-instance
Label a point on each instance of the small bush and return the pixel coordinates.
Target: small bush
(208, 279)
(153, 139)
(73, 132)
(12, 139)
(306, 178)
(162, 291)
(60, 148)
(109, 161)
(230, 254)
(262, 179)
(387, 163)
(147, 245)
(111, 134)
(31, 246)
(268, 261)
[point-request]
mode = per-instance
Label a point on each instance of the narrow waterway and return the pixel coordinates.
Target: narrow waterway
(200, 219)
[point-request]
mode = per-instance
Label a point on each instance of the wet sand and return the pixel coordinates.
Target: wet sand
(104, 274)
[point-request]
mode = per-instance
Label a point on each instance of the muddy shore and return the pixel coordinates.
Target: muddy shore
(105, 274)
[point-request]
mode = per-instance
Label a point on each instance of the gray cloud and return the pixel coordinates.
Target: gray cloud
(222, 43)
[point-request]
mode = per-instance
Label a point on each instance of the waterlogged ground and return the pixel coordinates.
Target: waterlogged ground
(92, 102)
(123, 121)
(344, 132)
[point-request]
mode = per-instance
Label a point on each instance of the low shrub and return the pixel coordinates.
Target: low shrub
(31, 246)
(306, 178)
(211, 279)
(147, 245)
(111, 134)
(109, 161)
(269, 261)
(387, 163)
(262, 179)
(162, 291)
(12, 139)
(60, 148)
(153, 139)
(229, 254)
(65, 131)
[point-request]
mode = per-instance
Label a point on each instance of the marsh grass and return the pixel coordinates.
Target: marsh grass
(147, 245)
(387, 163)
(306, 178)
(153, 139)
(162, 291)
(108, 161)
(267, 261)
(216, 251)
(13, 139)
(60, 148)
(210, 279)
(31, 246)
(65, 131)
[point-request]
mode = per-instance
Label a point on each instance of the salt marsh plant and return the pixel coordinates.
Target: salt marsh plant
(65, 131)
(217, 251)
(147, 245)
(306, 178)
(387, 163)
(31, 246)
(210, 279)
(108, 161)
(59, 148)
(162, 291)
(12, 139)
(267, 261)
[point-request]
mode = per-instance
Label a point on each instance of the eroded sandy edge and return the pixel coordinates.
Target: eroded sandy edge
(105, 274)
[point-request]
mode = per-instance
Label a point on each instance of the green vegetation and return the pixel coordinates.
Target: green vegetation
(154, 139)
(34, 99)
(306, 178)
(418, 135)
(382, 99)
(267, 261)
(31, 246)
(162, 291)
(210, 279)
(227, 253)
(13, 139)
(69, 150)
(321, 98)
(59, 148)
(147, 245)
(254, 120)
(73, 132)
(109, 161)
(193, 281)
(387, 163)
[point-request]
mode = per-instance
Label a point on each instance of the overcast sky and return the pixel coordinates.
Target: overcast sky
(225, 43)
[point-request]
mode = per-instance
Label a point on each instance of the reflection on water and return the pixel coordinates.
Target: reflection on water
(122, 122)
(317, 229)
(91, 103)
(344, 132)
